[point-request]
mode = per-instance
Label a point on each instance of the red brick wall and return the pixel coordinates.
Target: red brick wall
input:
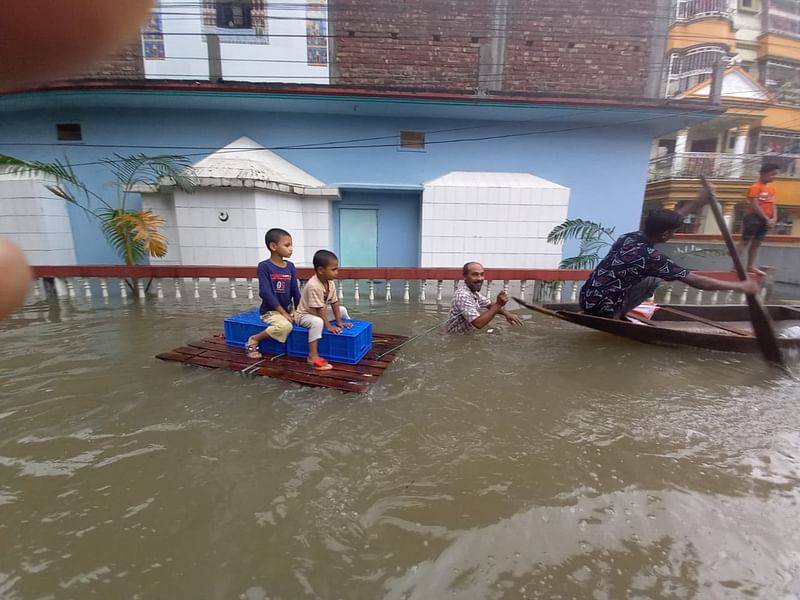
(125, 63)
(595, 47)
(365, 52)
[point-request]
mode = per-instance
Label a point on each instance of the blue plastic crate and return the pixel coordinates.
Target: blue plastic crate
(349, 347)
(240, 327)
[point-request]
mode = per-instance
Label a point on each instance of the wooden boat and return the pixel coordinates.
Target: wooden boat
(725, 328)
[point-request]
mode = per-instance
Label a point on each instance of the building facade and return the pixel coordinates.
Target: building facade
(744, 54)
(424, 132)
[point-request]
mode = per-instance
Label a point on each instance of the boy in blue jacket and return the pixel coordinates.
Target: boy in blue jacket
(279, 291)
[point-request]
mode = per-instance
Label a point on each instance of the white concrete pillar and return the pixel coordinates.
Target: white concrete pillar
(679, 160)
(742, 133)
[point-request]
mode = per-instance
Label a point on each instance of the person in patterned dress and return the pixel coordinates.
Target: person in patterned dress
(633, 268)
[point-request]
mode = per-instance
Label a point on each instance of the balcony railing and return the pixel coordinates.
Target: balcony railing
(686, 10)
(690, 165)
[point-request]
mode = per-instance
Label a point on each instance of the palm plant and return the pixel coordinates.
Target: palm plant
(596, 239)
(134, 234)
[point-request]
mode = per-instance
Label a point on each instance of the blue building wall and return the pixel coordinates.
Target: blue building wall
(604, 166)
(399, 223)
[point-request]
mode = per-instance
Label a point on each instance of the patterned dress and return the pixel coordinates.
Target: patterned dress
(631, 259)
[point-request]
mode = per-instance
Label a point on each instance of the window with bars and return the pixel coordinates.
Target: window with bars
(233, 15)
(686, 10)
(783, 80)
(782, 16)
(687, 69)
(236, 21)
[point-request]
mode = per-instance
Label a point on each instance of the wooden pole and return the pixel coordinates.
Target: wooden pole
(762, 323)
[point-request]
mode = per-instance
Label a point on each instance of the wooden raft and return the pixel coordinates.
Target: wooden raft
(213, 352)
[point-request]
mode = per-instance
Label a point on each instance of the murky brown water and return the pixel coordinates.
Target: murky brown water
(550, 462)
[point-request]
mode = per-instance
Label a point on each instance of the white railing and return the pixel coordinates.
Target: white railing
(691, 165)
(686, 10)
(429, 286)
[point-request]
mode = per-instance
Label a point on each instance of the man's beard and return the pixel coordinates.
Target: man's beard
(475, 287)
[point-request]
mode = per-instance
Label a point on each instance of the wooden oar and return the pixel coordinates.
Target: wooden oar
(762, 323)
(705, 321)
(537, 308)
(553, 313)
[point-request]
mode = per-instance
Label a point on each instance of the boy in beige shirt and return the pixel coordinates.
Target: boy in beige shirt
(319, 305)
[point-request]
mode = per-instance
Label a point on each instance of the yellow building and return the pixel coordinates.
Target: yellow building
(753, 46)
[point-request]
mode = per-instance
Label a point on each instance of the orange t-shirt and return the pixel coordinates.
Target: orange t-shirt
(765, 193)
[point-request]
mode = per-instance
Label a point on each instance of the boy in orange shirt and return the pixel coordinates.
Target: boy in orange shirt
(760, 216)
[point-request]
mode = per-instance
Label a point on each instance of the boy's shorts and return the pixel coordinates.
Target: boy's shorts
(753, 228)
(278, 326)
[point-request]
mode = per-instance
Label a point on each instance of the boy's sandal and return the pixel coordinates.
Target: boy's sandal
(252, 352)
(321, 365)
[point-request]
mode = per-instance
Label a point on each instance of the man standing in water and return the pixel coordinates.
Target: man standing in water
(469, 310)
(633, 268)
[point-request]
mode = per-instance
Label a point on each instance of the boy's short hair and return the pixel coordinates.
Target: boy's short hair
(322, 258)
(275, 235)
(767, 167)
(661, 220)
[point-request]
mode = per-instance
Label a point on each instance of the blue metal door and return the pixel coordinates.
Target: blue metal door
(358, 237)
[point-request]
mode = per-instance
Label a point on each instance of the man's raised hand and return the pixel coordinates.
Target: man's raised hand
(502, 298)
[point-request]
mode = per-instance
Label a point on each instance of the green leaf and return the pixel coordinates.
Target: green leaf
(582, 261)
(578, 229)
(61, 193)
(144, 169)
(132, 235)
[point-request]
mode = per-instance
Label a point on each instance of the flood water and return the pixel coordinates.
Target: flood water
(545, 462)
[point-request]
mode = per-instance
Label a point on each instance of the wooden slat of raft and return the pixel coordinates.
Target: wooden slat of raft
(313, 378)
(176, 356)
(358, 369)
(212, 352)
(221, 351)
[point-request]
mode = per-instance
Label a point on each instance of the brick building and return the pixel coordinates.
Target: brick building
(602, 47)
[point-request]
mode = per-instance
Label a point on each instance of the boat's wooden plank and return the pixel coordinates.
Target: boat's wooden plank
(794, 309)
(693, 317)
(639, 319)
